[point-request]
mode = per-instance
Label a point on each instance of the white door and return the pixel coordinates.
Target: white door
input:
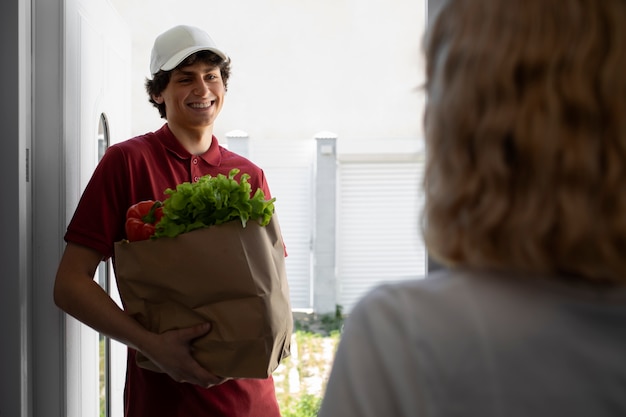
(97, 108)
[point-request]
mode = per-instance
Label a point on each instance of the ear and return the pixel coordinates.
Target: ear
(158, 99)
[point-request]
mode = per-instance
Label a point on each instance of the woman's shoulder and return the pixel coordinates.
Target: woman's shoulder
(435, 287)
(441, 300)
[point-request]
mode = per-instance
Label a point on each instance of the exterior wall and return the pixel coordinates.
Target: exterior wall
(299, 67)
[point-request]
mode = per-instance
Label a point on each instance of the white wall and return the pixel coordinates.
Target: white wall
(299, 67)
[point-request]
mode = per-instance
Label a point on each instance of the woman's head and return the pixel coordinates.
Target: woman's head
(526, 138)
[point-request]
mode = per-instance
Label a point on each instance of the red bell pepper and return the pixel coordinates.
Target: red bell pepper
(141, 219)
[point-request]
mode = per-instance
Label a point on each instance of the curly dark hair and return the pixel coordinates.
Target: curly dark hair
(161, 79)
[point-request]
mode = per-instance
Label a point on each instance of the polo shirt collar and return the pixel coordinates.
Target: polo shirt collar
(212, 156)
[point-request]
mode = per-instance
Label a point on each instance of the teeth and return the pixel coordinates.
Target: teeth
(200, 105)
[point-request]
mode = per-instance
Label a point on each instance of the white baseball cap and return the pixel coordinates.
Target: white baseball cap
(174, 45)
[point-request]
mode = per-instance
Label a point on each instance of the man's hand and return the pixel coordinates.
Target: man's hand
(171, 351)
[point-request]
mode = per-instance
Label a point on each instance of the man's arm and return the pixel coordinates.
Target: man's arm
(76, 292)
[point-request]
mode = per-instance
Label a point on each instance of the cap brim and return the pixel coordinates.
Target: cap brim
(179, 57)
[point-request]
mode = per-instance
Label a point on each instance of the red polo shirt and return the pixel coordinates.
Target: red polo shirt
(142, 168)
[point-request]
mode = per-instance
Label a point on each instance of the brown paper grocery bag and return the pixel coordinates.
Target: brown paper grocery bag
(229, 275)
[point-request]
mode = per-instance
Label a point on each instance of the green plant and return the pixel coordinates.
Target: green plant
(307, 405)
(301, 378)
(323, 324)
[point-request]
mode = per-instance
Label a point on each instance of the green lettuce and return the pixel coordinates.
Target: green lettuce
(212, 201)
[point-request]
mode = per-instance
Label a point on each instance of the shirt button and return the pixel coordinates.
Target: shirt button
(195, 161)
(195, 179)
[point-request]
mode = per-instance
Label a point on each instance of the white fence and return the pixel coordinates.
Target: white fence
(371, 226)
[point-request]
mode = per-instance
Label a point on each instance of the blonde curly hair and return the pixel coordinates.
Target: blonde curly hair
(526, 136)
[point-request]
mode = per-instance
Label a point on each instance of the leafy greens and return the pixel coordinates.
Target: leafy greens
(212, 201)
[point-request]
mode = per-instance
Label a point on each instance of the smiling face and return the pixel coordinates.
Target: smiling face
(194, 96)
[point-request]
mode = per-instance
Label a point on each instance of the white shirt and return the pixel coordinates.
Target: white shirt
(477, 344)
